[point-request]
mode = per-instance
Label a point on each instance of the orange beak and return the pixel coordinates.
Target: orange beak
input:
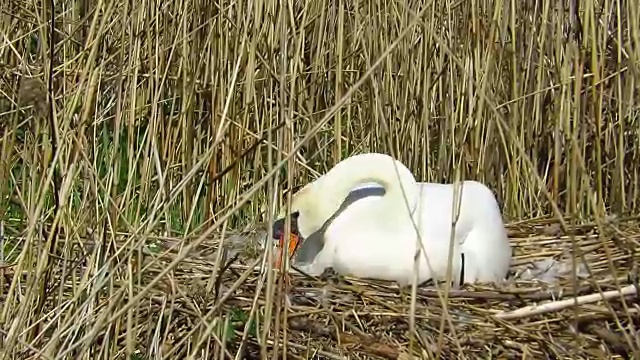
(291, 246)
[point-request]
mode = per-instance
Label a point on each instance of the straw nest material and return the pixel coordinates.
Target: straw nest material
(332, 318)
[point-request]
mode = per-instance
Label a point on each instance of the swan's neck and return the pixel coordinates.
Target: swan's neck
(331, 189)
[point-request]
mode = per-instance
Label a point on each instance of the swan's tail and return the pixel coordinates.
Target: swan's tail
(487, 256)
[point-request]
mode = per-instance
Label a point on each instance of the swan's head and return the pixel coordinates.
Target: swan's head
(311, 207)
(308, 213)
(279, 234)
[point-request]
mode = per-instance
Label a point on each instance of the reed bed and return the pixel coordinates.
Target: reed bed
(146, 146)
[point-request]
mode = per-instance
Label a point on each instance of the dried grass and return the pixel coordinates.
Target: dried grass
(135, 136)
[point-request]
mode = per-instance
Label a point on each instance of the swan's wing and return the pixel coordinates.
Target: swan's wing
(312, 245)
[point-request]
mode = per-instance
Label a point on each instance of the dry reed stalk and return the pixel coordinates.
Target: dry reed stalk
(630, 290)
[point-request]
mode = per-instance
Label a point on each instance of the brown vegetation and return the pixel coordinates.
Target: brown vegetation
(137, 136)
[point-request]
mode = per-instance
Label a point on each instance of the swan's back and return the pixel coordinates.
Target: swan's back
(479, 229)
(359, 245)
(478, 206)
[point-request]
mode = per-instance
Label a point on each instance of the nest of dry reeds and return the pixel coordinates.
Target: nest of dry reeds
(217, 302)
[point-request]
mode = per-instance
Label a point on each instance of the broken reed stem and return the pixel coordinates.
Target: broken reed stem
(555, 306)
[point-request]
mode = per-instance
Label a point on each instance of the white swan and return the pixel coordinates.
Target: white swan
(374, 237)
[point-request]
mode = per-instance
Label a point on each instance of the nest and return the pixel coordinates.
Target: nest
(233, 311)
(333, 317)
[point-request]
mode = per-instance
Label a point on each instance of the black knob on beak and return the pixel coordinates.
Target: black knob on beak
(278, 226)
